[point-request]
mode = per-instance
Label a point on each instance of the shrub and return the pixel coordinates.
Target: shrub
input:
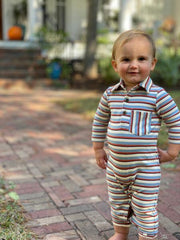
(66, 68)
(167, 70)
(107, 72)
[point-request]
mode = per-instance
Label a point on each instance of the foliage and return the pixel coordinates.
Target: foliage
(167, 70)
(103, 39)
(6, 189)
(66, 68)
(48, 37)
(12, 217)
(103, 36)
(107, 72)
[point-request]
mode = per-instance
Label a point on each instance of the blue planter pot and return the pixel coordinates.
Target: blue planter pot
(54, 70)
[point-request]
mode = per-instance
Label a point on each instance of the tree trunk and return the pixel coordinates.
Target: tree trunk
(90, 68)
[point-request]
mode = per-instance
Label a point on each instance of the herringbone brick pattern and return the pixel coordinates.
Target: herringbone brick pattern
(47, 152)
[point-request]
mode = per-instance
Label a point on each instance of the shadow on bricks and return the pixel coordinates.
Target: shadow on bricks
(48, 154)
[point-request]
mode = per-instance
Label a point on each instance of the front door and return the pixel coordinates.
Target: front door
(1, 20)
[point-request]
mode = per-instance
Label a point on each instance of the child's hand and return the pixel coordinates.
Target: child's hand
(101, 158)
(164, 156)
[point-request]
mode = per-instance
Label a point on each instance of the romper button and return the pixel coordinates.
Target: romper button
(124, 112)
(127, 100)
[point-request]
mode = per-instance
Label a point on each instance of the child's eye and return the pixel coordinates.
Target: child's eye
(141, 58)
(125, 59)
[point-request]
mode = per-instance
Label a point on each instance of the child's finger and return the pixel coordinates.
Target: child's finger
(101, 163)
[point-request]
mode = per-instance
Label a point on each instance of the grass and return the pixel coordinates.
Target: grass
(163, 135)
(86, 104)
(12, 215)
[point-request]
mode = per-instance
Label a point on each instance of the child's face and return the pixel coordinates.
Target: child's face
(134, 61)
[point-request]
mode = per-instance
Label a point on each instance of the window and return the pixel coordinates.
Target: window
(60, 6)
(54, 14)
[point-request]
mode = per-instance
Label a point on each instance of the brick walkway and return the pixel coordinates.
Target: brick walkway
(48, 154)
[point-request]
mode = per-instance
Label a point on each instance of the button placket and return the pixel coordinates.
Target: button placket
(126, 100)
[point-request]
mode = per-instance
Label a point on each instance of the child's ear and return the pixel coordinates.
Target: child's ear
(154, 61)
(114, 64)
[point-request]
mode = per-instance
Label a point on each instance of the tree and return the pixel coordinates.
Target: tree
(90, 69)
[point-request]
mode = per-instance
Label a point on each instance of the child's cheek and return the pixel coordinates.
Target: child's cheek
(122, 68)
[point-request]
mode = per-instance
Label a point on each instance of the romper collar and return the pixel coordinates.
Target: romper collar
(146, 85)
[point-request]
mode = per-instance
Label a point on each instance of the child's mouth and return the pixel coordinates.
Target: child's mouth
(133, 73)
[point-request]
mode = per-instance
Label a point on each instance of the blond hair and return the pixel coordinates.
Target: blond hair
(128, 35)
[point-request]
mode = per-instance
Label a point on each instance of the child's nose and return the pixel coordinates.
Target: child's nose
(133, 64)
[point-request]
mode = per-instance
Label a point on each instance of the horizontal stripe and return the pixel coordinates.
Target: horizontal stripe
(157, 101)
(130, 122)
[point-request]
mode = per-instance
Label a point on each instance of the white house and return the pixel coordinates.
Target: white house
(71, 15)
(68, 15)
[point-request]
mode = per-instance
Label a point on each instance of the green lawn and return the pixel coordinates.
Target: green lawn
(85, 104)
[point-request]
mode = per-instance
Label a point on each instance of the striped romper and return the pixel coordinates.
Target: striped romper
(130, 122)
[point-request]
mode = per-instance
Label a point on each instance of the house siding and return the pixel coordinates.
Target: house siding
(76, 18)
(76, 15)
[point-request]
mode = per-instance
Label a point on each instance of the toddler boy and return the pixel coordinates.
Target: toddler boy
(129, 117)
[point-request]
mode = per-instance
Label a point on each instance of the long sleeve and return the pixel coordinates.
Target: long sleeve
(169, 112)
(101, 120)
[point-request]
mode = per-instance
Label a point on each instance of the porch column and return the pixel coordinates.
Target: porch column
(34, 18)
(127, 9)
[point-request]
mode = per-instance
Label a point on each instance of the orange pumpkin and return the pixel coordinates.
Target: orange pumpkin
(15, 33)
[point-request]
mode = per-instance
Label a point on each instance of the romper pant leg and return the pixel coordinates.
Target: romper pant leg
(144, 202)
(119, 200)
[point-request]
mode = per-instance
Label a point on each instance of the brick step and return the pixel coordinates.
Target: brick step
(15, 54)
(13, 74)
(21, 63)
(12, 59)
(23, 73)
(20, 52)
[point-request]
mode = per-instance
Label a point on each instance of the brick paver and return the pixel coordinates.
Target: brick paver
(48, 154)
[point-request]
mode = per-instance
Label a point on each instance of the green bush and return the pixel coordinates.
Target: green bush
(48, 37)
(107, 72)
(66, 72)
(167, 70)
